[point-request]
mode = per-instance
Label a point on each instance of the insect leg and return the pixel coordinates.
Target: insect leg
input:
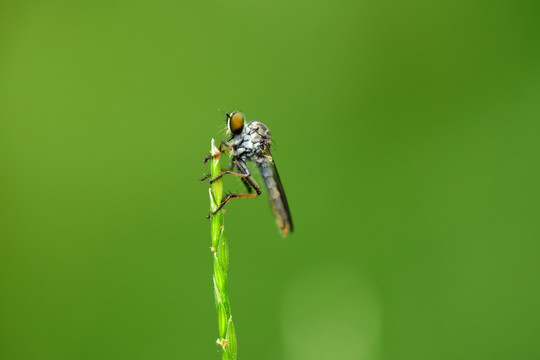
(243, 173)
(244, 181)
(229, 197)
(242, 176)
(249, 179)
(224, 172)
(218, 154)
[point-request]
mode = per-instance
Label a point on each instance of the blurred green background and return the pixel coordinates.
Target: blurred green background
(406, 135)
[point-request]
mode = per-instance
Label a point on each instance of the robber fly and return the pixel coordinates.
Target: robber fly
(252, 142)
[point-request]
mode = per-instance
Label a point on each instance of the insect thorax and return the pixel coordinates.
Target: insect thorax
(253, 142)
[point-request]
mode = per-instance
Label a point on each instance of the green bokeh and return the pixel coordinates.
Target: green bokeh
(407, 135)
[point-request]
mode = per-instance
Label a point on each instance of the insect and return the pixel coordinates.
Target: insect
(252, 142)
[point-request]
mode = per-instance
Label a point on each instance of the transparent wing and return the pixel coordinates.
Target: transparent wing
(276, 195)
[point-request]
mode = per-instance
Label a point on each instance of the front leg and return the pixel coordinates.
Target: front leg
(228, 147)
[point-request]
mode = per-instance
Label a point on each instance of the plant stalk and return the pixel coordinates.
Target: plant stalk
(220, 254)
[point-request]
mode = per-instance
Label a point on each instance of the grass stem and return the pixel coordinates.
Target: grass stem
(220, 254)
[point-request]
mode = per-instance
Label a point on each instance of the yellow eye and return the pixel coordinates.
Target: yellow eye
(236, 122)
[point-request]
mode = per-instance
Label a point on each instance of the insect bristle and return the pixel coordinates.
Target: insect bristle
(222, 129)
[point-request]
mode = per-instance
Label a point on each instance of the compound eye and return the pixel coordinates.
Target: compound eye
(236, 122)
